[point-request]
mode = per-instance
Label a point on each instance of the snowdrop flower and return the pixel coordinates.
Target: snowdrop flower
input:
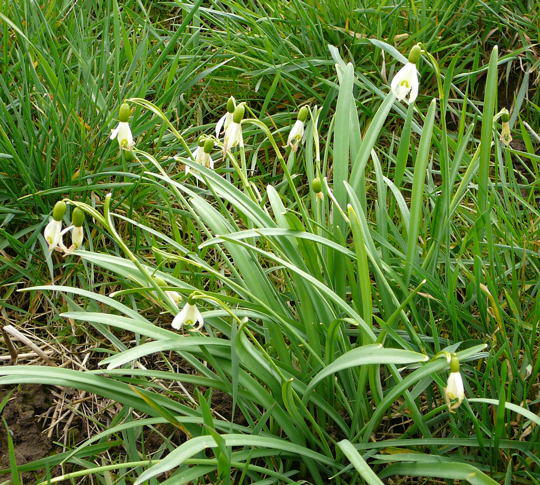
(506, 134)
(189, 315)
(174, 296)
(77, 233)
(226, 119)
(53, 230)
(233, 133)
(123, 132)
(454, 390)
(52, 233)
(405, 82)
(297, 131)
(202, 153)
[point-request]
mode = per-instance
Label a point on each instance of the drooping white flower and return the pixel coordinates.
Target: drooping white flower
(454, 392)
(506, 132)
(53, 230)
(202, 153)
(52, 233)
(174, 296)
(223, 123)
(58, 241)
(204, 158)
(189, 315)
(227, 118)
(233, 133)
(77, 233)
(123, 134)
(296, 135)
(454, 389)
(405, 83)
(77, 236)
(233, 137)
(297, 131)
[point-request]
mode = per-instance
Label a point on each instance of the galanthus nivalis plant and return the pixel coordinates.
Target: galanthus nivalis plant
(77, 232)
(506, 133)
(202, 153)
(405, 82)
(297, 131)
(333, 299)
(53, 230)
(123, 132)
(174, 297)
(54, 234)
(189, 316)
(454, 392)
(226, 119)
(233, 133)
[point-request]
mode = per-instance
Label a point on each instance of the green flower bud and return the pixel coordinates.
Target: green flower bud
(303, 114)
(316, 185)
(201, 140)
(231, 104)
(505, 115)
(415, 53)
(208, 145)
(125, 112)
(454, 364)
(59, 210)
(238, 114)
(77, 217)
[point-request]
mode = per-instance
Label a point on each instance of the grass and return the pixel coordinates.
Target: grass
(425, 240)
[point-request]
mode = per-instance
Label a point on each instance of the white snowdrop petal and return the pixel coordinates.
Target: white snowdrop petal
(77, 236)
(296, 135)
(125, 138)
(233, 136)
(219, 124)
(190, 315)
(405, 83)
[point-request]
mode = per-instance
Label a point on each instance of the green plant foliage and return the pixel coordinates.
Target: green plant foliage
(322, 281)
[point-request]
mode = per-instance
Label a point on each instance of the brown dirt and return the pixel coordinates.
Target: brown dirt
(21, 413)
